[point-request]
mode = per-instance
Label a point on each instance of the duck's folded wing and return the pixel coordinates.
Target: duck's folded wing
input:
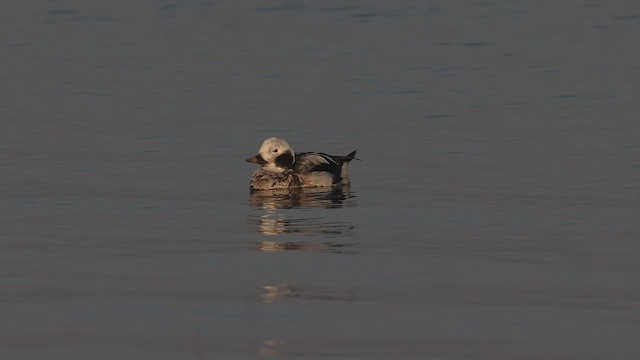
(309, 162)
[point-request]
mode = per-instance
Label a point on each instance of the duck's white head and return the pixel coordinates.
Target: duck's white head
(275, 153)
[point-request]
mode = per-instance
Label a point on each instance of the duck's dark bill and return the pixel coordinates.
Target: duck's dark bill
(257, 160)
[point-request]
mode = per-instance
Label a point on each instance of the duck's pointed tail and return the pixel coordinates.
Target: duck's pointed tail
(351, 156)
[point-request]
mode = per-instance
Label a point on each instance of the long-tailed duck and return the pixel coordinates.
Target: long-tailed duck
(284, 169)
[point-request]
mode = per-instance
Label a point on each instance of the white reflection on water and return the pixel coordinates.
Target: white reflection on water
(302, 212)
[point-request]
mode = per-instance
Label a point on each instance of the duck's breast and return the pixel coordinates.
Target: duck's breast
(265, 180)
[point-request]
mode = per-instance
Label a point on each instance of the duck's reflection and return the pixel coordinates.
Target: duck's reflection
(303, 198)
(273, 293)
(301, 211)
(275, 223)
(271, 347)
(277, 292)
(330, 246)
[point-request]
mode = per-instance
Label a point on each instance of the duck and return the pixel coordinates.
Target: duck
(282, 168)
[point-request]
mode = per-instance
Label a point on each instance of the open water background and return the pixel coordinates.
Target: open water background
(494, 214)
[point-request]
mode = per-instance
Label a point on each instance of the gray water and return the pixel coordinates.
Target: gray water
(493, 214)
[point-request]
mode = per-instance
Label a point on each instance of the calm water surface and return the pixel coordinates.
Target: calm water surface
(493, 214)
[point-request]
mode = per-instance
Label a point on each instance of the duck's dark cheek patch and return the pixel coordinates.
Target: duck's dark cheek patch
(285, 160)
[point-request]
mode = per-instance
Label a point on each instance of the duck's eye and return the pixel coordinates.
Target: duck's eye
(275, 150)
